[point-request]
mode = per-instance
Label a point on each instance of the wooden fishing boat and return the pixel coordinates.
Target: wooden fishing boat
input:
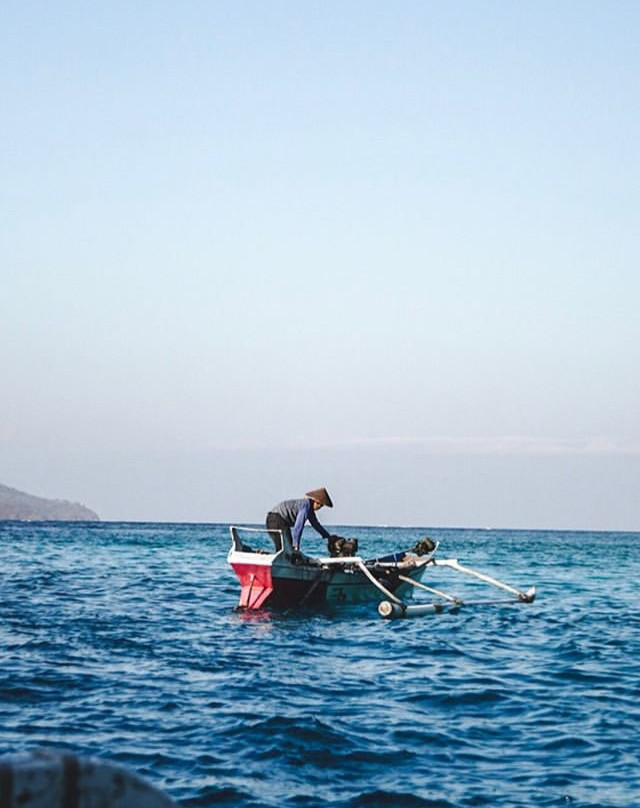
(280, 576)
(273, 574)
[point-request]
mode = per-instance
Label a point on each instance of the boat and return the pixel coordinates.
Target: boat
(273, 574)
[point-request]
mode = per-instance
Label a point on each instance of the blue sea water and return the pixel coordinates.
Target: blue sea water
(122, 641)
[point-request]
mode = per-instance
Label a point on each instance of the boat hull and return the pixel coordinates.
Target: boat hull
(275, 581)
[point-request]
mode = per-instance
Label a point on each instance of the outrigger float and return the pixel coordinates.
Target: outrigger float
(280, 576)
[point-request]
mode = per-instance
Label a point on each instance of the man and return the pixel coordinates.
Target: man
(291, 515)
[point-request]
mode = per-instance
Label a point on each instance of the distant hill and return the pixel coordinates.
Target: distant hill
(27, 508)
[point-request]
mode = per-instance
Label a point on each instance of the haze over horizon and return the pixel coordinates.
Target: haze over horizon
(250, 249)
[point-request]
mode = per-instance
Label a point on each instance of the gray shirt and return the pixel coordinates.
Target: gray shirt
(296, 512)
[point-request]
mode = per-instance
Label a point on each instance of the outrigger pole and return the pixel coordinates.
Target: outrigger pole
(359, 563)
(395, 608)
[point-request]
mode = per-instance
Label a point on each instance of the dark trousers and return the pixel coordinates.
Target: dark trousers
(276, 522)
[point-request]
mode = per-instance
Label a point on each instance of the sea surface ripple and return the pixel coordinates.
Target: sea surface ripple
(122, 641)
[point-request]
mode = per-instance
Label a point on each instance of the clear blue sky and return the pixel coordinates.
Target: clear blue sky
(250, 248)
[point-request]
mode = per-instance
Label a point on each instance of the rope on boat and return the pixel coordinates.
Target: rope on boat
(309, 592)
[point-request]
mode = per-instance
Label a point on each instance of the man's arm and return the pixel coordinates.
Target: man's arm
(301, 518)
(313, 521)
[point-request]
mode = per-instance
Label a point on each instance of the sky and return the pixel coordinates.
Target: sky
(250, 248)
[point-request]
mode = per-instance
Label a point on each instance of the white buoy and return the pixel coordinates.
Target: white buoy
(386, 609)
(53, 779)
(395, 610)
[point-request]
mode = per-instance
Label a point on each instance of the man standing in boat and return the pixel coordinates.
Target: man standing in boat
(291, 515)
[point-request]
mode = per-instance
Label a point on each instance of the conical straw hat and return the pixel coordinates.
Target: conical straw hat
(320, 495)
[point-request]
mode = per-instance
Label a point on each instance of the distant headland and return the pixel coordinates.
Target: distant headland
(16, 505)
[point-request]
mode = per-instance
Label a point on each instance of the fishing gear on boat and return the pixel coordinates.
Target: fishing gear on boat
(423, 546)
(339, 546)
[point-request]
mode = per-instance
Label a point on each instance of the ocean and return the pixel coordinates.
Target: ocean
(122, 641)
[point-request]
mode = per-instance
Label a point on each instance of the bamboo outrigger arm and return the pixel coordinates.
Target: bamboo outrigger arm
(396, 609)
(454, 564)
(396, 600)
(431, 589)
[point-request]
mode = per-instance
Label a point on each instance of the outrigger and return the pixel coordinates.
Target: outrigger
(279, 576)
